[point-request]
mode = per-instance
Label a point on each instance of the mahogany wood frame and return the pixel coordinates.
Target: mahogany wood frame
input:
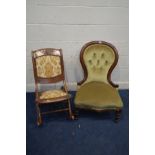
(61, 77)
(111, 68)
(117, 110)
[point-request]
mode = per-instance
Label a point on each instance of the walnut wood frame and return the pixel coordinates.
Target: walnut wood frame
(117, 110)
(40, 80)
(111, 68)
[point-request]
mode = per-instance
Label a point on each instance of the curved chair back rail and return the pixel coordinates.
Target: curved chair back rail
(98, 59)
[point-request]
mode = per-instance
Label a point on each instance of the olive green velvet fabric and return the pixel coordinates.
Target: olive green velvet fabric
(98, 59)
(98, 96)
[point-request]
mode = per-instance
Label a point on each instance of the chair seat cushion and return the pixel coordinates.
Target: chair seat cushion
(52, 94)
(98, 96)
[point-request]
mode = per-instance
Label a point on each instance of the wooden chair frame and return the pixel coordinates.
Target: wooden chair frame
(41, 80)
(118, 110)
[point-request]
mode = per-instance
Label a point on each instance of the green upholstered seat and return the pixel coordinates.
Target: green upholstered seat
(98, 96)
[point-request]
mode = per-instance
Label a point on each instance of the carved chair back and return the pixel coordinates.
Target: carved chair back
(48, 65)
(98, 59)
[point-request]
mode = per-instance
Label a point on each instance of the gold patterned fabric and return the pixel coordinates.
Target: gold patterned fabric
(48, 66)
(52, 94)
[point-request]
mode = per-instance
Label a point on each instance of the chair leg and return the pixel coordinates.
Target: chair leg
(76, 113)
(71, 115)
(117, 115)
(39, 119)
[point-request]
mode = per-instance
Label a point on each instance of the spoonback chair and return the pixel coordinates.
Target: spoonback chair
(48, 68)
(96, 91)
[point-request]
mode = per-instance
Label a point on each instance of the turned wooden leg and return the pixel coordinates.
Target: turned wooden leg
(39, 119)
(117, 115)
(71, 115)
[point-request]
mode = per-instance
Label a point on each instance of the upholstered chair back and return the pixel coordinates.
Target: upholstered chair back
(48, 63)
(98, 60)
(48, 66)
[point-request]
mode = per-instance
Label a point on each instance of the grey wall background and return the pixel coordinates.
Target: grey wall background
(69, 24)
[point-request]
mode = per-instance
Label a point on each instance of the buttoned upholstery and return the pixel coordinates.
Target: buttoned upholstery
(98, 59)
(96, 91)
